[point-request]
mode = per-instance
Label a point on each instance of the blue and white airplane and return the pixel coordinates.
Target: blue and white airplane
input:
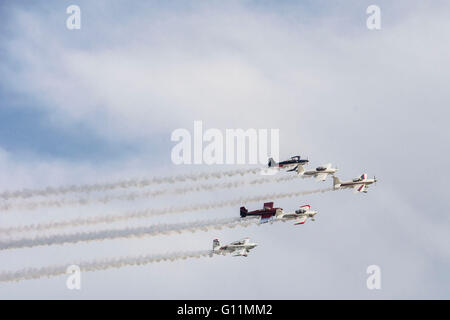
(293, 164)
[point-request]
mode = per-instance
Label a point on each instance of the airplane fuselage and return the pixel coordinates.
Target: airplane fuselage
(316, 172)
(295, 215)
(358, 184)
(236, 248)
(350, 184)
(291, 163)
(264, 212)
(232, 248)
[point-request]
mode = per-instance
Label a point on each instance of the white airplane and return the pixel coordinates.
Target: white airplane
(360, 184)
(300, 216)
(320, 173)
(239, 248)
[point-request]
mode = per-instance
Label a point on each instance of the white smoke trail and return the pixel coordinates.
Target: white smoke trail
(98, 265)
(23, 205)
(153, 230)
(123, 184)
(154, 212)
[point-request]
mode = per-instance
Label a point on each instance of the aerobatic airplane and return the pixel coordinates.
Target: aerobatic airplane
(360, 184)
(294, 163)
(239, 248)
(320, 173)
(300, 216)
(266, 213)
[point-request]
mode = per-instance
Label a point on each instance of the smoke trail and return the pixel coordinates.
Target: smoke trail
(123, 184)
(142, 195)
(153, 230)
(155, 212)
(98, 265)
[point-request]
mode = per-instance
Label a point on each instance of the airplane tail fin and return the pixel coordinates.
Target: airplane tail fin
(336, 182)
(216, 244)
(243, 211)
(272, 163)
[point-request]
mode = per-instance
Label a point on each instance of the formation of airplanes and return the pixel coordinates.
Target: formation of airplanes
(296, 163)
(269, 213)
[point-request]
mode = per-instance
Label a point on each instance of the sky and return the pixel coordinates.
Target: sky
(99, 104)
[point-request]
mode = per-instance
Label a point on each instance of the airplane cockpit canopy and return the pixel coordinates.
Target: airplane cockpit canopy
(321, 168)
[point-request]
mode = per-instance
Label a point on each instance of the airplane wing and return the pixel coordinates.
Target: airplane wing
(239, 253)
(321, 176)
(265, 218)
(300, 220)
(358, 188)
(292, 169)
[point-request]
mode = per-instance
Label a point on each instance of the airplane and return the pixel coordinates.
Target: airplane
(360, 184)
(300, 215)
(320, 173)
(294, 163)
(266, 213)
(240, 248)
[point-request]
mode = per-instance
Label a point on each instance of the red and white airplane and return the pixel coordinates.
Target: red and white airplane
(266, 213)
(300, 216)
(360, 184)
(240, 248)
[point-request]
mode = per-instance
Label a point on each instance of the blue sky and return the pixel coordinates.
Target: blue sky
(26, 124)
(27, 129)
(100, 103)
